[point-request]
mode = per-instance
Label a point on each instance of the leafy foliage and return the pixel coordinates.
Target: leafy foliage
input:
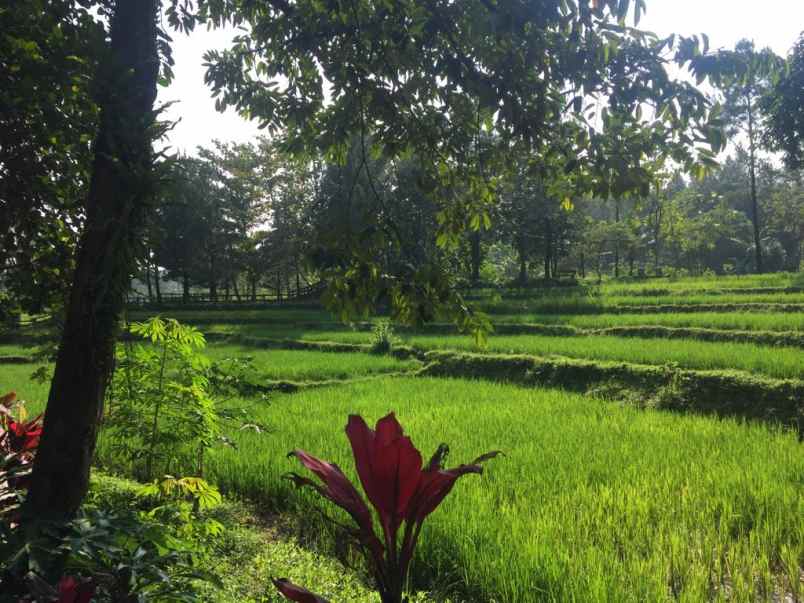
(784, 105)
(160, 415)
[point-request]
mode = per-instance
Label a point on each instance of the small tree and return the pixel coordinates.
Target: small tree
(161, 416)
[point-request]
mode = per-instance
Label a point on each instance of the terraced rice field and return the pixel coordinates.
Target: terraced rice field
(595, 500)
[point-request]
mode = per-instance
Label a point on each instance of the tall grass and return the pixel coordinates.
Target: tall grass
(593, 502)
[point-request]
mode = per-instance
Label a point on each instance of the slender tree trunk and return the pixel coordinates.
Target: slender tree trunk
(213, 281)
(157, 285)
(617, 241)
(236, 289)
(548, 249)
(752, 170)
(476, 256)
(185, 287)
(583, 265)
(148, 280)
(115, 215)
(253, 289)
(523, 262)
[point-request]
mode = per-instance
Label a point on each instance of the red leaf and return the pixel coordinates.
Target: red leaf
(436, 483)
(74, 591)
(296, 593)
(340, 490)
(388, 464)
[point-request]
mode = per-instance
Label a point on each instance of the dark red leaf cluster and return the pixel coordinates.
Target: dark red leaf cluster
(402, 491)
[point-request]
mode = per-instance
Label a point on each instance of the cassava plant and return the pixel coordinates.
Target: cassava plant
(401, 489)
(160, 414)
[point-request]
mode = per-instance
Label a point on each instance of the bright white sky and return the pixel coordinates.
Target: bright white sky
(774, 23)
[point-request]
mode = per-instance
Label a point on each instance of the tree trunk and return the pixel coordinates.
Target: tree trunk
(476, 256)
(752, 169)
(148, 280)
(523, 262)
(548, 249)
(185, 287)
(236, 289)
(157, 286)
(617, 240)
(583, 265)
(115, 215)
(213, 282)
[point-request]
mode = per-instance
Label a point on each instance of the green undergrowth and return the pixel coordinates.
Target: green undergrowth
(252, 548)
(593, 501)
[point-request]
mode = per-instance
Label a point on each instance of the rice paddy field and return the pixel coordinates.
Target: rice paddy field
(595, 499)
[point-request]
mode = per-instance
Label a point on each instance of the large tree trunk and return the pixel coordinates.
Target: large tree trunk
(115, 208)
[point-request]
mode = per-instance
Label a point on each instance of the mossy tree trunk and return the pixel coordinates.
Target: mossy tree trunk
(115, 208)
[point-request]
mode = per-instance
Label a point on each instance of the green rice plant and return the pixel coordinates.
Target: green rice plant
(292, 365)
(776, 362)
(593, 502)
(705, 283)
(714, 320)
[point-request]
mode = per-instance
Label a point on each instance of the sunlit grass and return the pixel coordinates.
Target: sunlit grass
(740, 321)
(776, 362)
(593, 502)
(294, 365)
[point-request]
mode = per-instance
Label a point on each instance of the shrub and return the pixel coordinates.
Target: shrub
(383, 337)
(160, 415)
(402, 492)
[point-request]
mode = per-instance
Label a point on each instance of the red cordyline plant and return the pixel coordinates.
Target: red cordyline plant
(402, 491)
(19, 440)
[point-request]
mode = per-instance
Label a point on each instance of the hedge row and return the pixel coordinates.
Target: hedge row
(723, 393)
